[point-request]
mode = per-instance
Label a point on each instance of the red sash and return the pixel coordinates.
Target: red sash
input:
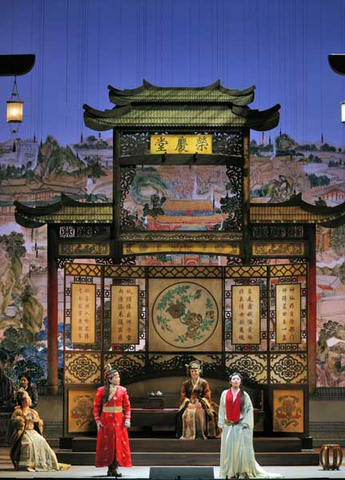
(232, 408)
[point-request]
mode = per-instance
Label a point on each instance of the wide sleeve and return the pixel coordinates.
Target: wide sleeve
(18, 420)
(221, 413)
(248, 412)
(126, 404)
(34, 396)
(206, 393)
(184, 398)
(97, 404)
(38, 422)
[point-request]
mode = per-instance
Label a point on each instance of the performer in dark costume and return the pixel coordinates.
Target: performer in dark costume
(197, 416)
(112, 412)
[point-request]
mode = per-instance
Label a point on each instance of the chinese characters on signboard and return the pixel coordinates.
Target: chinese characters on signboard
(246, 314)
(288, 313)
(181, 144)
(83, 317)
(125, 314)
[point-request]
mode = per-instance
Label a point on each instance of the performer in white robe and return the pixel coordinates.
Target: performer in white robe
(236, 418)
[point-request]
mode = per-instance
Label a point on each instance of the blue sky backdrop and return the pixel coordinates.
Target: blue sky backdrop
(82, 46)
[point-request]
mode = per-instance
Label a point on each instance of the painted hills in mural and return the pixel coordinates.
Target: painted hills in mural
(37, 174)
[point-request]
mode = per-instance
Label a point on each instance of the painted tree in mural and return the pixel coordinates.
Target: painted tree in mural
(21, 314)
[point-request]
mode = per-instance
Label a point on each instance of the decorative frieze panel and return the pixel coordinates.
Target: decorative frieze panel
(289, 368)
(129, 365)
(287, 270)
(278, 231)
(185, 272)
(190, 247)
(82, 368)
(84, 231)
(278, 249)
(81, 269)
(228, 143)
(211, 364)
(124, 271)
(253, 367)
(83, 249)
(246, 272)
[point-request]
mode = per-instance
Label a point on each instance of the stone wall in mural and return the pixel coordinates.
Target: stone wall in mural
(38, 174)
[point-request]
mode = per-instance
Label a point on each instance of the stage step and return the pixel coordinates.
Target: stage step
(158, 445)
(172, 451)
(306, 458)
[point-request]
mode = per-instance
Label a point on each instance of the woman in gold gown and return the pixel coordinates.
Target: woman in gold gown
(29, 449)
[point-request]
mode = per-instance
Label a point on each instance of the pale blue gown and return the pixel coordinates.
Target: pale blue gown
(237, 455)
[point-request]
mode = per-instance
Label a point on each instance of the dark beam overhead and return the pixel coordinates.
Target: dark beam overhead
(11, 65)
(337, 62)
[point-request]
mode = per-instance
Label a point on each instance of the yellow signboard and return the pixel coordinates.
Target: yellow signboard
(181, 144)
(83, 316)
(125, 314)
(246, 315)
(288, 313)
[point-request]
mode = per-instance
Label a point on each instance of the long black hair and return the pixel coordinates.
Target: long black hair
(241, 389)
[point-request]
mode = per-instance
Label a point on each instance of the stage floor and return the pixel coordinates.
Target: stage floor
(134, 473)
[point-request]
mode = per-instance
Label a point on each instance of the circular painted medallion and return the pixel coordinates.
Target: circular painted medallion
(185, 315)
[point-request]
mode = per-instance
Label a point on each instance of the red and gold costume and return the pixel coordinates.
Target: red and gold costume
(112, 438)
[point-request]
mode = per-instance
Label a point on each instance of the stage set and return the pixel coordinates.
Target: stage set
(152, 283)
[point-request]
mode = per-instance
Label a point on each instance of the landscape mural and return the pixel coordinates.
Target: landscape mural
(37, 174)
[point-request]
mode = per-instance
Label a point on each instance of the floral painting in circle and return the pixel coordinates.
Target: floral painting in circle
(185, 315)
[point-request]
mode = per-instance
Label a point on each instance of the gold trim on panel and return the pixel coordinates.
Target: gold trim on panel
(180, 144)
(245, 314)
(201, 248)
(278, 249)
(83, 313)
(288, 313)
(124, 314)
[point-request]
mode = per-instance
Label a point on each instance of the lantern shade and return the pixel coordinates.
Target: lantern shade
(343, 111)
(14, 111)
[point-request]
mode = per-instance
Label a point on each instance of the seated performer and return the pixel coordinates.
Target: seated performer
(112, 412)
(29, 449)
(197, 416)
(236, 418)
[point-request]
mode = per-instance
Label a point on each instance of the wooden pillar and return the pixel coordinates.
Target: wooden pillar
(116, 196)
(52, 311)
(312, 313)
(246, 196)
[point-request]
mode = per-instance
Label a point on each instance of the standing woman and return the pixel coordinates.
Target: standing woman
(236, 418)
(112, 412)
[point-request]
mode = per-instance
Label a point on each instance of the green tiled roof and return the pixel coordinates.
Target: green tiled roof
(187, 116)
(214, 93)
(149, 106)
(69, 211)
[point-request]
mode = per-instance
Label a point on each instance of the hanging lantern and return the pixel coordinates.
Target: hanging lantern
(343, 111)
(14, 109)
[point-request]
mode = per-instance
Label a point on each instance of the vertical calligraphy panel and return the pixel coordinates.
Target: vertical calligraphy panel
(288, 313)
(125, 314)
(246, 315)
(83, 313)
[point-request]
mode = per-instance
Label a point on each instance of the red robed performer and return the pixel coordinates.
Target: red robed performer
(112, 412)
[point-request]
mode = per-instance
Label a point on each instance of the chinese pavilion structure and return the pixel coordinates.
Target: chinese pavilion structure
(247, 301)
